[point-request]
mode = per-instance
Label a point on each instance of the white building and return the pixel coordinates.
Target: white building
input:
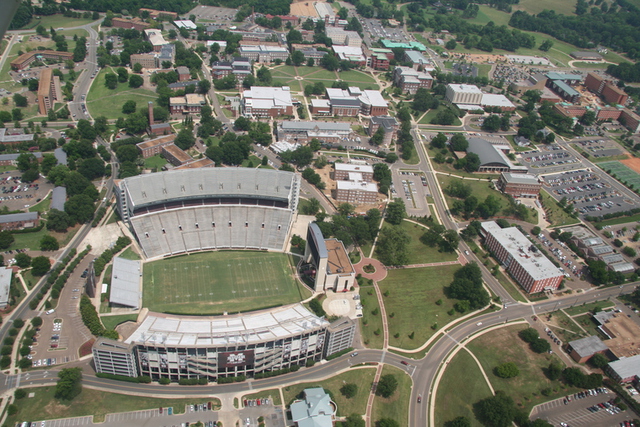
(463, 94)
(189, 25)
(5, 284)
(341, 37)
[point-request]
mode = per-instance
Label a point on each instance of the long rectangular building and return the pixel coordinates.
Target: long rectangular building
(304, 132)
(531, 269)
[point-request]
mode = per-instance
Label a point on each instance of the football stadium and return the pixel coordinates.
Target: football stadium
(220, 296)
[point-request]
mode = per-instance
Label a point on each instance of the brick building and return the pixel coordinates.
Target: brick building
(27, 58)
(531, 269)
(356, 192)
(133, 23)
(583, 349)
(345, 171)
(188, 104)
(519, 184)
(18, 221)
(154, 146)
(410, 80)
(609, 92)
(267, 101)
(175, 155)
(48, 91)
(183, 74)
(146, 60)
(388, 123)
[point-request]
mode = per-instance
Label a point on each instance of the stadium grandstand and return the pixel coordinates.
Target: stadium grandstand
(192, 210)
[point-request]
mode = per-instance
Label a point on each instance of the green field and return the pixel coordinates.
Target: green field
(585, 308)
(107, 102)
(215, 282)
(462, 385)
(110, 322)
(412, 297)
(284, 75)
(371, 324)
(419, 253)
(156, 162)
(57, 21)
(395, 407)
(622, 173)
(431, 114)
(555, 214)
(361, 377)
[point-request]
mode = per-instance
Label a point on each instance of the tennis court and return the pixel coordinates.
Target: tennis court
(623, 173)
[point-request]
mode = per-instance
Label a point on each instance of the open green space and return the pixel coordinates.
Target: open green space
(537, 6)
(321, 74)
(108, 102)
(361, 377)
(129, 253)
(565, 328)
(503, 345)
(356, 76)
(555, 214)
(412, 299)
(371, 324)
(448, 168)
(224, 281)
(587, 323)
(591, 65)
(110, 322)
(431, 114)
(622, 173)
(586, 308)
(622, 220)
(155, 162)
(510, 287)
(395, 407)
(273, 394)
(41, 206)
(56, 21)
(419, 253)
(461, 385)
(43, 406)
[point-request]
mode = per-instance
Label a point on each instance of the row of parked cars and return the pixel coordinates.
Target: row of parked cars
(257, 402)
(607, 406)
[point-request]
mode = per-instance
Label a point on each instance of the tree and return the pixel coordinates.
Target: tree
(392, 246)
(377, 137)
(353, 420)
(496, 411)
(137, 68)
(599, 360)
(79, 208)
(111, 81)
(123, 74)
(507, 370)
(58, 221)
(23, 260)
(19, 100)
(459, 142)
(204, 86)
(32, 84)
(458, 422)
(185, 139)
(467, 285)
(242, 123)
(491, 123)
(40, 266)
(26, 161)
(49, 243)
(69, 384)
(135, 81)
(451, 44)
(6, 239)
(349, 390)
(554, 371)
(129, 107)
(396, 212)
(546, 45)
(297, 58)
(387, 385)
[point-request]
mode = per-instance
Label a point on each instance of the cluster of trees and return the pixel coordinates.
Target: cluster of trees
(111, 80)
(232, 150)
(537, 344)
(69, 383)
(469, 205)
(350, 228)
(92, 321)
(467, 286)
(601, 275)
(309, 174)
(404, 139)
(100, 262)
(614, 28)
(494, 123)
(625, 71)
(128, 156)
(382, 174)
(208, 125)
(438, 235)
(301, 156)
(423, 100)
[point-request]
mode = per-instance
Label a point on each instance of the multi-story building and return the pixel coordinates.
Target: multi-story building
(221, 69)
(530, 268)
(519, 184)
(348, 103)
(178, 347)
(263, 53)
(614, 95)
(200, 163)
(48, 90)
(5, 286)
(304, 132)
(240, 68)
(463, 94)
(388, 123)
(154, 146)
(340, 334)
(146, 60)
(341, 37)
(190, 103)
(167, 54)
(133, 23)
(155, 38)
(418, 60)
(410, 80)
(352, 54)
(630, 120)
(12, 159)
(321, 107)
(625, 370)
(183, 73)
(175, 155)
(25, 59)
(334, 270)
(496, 100)
(18, 221)
(356, 191)
(378, 58)
(267, 101)
(594, 82)
(344, 171)
(15, 136)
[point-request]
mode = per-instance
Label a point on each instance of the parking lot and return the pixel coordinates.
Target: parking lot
(16, 195)
(548, 158)
(588, 191)
(599, 147)
(377, 31)
(212, 13)
(273, 415)
(412, 188)
(563, 255)
(575, 412)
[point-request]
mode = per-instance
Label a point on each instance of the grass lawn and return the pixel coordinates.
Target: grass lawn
(56, 21)
(397, 406)
(42, 206)
(413, 294)
(622, 220)
(555, 214)
(448, 168)
(252, 162)
(370, 323)
(537, 6)
(356, 76)
(110, 322)
(273, 394)
(586, 308)
(565, 327)
(215, 282)
(129, 253)
(426, 120)
(419, 253)
(156, 162)
(304, 203)
(28, 240)
(321, 74)
(43, 406)
(107, 102)
(30, 279)
(591, 65)
(510, 287)
(586, 321)
(361, 377)
(503, 345)
(304, 71)
(460, 387)
(288, 70)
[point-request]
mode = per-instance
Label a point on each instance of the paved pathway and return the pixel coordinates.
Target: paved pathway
(380, 270)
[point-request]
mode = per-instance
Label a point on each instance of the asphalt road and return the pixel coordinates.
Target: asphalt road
(84, 81)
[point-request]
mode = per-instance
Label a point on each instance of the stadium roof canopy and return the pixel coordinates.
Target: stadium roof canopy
(125, 282)
(163, 187)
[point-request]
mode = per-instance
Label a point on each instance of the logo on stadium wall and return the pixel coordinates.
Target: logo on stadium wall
(236, 358)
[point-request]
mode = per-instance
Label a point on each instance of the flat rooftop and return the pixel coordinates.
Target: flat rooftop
(520, 178)
(125, 282)
(588, 346)
(625, 334)
(338, 261)
(247, 328)
(348, 167)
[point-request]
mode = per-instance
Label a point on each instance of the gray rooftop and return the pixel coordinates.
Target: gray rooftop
(125, 282)
(319, 238)
(13, 157)
(579, 232)
(415, 57)
(627, 367)
(612, 258)
(384, 121)
(599, 250)
(151, 189)
(314, 411)
(24, 216)
(566, 88)
(14, 138)
(588, 346)
(317, 126)
(58, 198)
(520, 178)
(487, 152)
(61, 156)
(603, 317)
(5, 283)
(622, 267)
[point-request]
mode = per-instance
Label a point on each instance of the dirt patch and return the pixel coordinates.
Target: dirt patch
(303, 8)
(633, 163)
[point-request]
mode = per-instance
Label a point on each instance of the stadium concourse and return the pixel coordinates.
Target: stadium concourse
(210, 208)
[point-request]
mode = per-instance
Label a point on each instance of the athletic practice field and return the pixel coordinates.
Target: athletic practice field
(214, 282)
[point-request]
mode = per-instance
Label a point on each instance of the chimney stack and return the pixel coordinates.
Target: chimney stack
(151, 120)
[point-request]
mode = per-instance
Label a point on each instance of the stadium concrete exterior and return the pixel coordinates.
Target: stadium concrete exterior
(179, 347)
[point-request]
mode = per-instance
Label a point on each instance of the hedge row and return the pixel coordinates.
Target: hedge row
(270, 374)
(99, 215)
(144, 379)
(53, 276)
(106, 256)
(92, 321)
(340, 353)
(227, 380)
(193, 381)
(30, 230)
(635, 406)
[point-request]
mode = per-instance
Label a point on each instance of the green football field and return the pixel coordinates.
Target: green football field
(215, 282)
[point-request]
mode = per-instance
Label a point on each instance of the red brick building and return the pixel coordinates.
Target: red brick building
(191, 103)
(614, 95)
(134, 23)
(594, 82)
(519, 184)
(175, 155)
(19, 220)
(630, 120)
(27, 58)
(154, 146)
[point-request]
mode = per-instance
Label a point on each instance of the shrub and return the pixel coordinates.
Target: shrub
(164, 381)
(507, 370)
(387, 385)
(349, 390)
(20, 393)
